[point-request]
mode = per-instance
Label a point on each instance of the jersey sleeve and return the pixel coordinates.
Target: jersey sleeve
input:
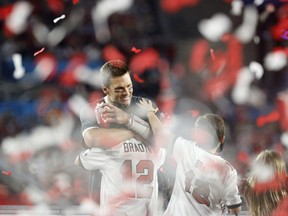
(88, 118)
(182, 146)
(232, 196)
(93, 159)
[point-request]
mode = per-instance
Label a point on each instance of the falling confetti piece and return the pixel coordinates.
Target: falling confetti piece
(243, 157)
(8, 173)
(75, 1)
(271, 184)
(285, 35)
(212, 54)
(256, 69)
(269, 118)
(19, 69)
(59, 18)
(36, 53)
(138, 79)
(135, 50)
(194, 113)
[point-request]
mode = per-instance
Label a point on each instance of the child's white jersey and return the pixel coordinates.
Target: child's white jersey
(205, 183)
(129, 183)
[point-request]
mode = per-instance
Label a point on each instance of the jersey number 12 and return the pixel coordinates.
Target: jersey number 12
(146, 170)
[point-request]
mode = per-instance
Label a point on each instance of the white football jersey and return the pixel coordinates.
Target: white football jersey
(129, 183)
(205, 183)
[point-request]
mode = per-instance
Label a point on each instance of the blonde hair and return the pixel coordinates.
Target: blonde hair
(263, 202)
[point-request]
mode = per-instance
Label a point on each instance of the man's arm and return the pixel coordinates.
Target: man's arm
(106, 137)
(157, 126)
(113, 114)
(96, 136)
(95, 130)
(159, 130)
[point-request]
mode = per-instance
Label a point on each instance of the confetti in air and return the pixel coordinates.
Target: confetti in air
(138, 79)
(194, 113)
(256, 69)
(236, 7)
(285, 35)
(212, 54)
(8, 173)
(59, 18)
(19, 69)
(275, 60)
(36, 53)
(269, 118)
(135, 50)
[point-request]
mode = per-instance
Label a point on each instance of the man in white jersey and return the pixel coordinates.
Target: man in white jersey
(205, 184)
(114, 135)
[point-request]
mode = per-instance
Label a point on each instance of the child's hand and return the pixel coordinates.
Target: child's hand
(147, 106)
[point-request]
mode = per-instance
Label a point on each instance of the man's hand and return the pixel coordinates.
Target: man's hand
(112, 114)
(99, 115)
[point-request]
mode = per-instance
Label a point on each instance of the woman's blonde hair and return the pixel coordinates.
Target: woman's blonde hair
(261, 201)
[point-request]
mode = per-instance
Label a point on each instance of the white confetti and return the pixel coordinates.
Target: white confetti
(215, 27)
(236, 7)
(19, 69)
(17, 20)
(275, 61)
(59, 18)
(284, 139)
(257, 69)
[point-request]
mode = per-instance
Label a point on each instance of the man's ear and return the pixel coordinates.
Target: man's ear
(220, 149)
(222, 139)
(105, 90)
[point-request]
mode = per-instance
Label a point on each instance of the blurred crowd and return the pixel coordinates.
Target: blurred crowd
(191, 57)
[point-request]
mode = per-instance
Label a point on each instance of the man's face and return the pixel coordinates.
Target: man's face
(120, 90)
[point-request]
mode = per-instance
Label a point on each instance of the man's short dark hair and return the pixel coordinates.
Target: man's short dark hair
(111, 69)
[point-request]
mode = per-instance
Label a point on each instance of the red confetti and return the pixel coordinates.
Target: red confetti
(68, 77)
(8, 173)
(285, 35)
(194, 113)
(75, 1)
(282, 105)
(198, 55)
(36, 53)
(274, 184)
(147, 59)
(5, 11)
(138, 79)
(282, 208)
(212, 54)
(243, 157)
(269, 118)
(172, 6)
(231, 60)
(110, 52)
(279, 28)
(135, 50)
(57, 6)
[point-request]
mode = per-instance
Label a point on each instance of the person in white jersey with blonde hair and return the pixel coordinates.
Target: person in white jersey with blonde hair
(205, 184)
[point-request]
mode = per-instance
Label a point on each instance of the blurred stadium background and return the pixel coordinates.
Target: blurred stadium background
(190, 56)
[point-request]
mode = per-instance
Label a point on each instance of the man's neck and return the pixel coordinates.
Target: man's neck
(121, 106)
